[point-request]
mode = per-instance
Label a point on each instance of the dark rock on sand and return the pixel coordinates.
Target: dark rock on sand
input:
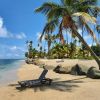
(61, 70)
(79, 70)
(93, 72)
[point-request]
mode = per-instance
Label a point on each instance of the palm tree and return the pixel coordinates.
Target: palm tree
(48, 38)
(66, 14)
(98, 30)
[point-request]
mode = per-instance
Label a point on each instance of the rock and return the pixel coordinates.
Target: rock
(56, 69)
(93, 73)
(29, 61)
(79, 70)
(61, 70)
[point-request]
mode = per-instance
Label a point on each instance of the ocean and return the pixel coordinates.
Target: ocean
(8, 70)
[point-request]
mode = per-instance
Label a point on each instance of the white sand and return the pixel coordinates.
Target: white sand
(64, 86)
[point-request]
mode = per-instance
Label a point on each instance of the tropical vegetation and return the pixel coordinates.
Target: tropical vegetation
(71, 16)
(76, 18)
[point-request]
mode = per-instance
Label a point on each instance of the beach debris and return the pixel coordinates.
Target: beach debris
(42, 80)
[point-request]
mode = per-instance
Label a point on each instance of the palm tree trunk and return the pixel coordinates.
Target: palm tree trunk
(99, 37)
(83, 37)
(61, 34)
(67, 45)
(87, 46)
(49, 44)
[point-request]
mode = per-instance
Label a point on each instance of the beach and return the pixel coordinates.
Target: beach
(64, 86)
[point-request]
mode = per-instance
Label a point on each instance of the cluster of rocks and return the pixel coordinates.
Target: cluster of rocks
(35, 62)
(78, 69)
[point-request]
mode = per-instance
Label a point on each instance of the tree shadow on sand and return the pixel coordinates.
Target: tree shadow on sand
(65, 86)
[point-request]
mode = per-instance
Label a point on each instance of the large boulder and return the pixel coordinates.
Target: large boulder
(79, 69)
(93, 73)
(61, 70)
(29, 61)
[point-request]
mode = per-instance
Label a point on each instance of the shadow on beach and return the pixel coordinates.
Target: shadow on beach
(65, 86)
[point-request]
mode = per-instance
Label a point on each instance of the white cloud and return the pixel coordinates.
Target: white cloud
(16, 48)
(1, 22)
(12, 55)
(11, 51)
(3, 30)
(4, 33)
(17, 55)
(20, 36)
(13, 48)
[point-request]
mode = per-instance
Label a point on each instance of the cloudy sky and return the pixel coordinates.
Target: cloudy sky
(19, 23)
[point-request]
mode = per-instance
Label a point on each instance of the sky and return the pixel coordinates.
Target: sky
(19, 23)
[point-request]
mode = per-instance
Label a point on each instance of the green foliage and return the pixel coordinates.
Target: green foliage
(59, 51)
(96, 49)
(72, 50)
(34, 53)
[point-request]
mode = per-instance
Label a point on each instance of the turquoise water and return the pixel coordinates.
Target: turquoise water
(8, 70)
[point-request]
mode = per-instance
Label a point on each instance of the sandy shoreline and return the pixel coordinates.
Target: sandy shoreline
(64, 86)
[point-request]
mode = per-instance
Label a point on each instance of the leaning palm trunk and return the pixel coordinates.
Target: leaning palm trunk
(49, 44)
(61, 34)
(87, 46)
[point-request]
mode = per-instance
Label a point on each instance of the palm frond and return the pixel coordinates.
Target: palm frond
(49, 27)
(55, 13)
(86, 17)
(68, 2)
(89, 30)
(98, 28)
(89, 2)
(46, 7)
(95, 8)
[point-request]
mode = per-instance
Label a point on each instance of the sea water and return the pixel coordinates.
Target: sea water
(8, 70)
